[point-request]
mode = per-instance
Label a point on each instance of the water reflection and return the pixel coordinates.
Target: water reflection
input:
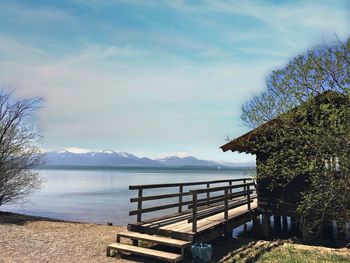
(286, 228)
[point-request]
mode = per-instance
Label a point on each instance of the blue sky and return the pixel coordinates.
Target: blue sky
(153, 78)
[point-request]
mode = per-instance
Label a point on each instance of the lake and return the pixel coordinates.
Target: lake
(103, 195)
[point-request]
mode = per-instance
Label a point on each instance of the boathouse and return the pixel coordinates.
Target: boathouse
(282, 201)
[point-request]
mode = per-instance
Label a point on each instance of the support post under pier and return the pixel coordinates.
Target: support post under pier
(277, 224)
(266, 224)
(285, 224)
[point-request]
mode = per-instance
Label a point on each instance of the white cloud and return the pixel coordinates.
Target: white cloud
(178, 154)
(77, 150)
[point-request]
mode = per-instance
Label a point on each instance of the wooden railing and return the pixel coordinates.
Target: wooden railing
(240, 198)
(197, 206)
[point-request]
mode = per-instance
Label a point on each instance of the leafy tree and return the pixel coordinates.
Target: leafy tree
(308, 133)
(18, 148)
(305, 76)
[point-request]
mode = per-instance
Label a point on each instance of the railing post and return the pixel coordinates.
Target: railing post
(244, 187)
(180, 198)
(230, 184)
(248, 197)
(226, 204)
(208, 194)
(139, 205)
(194, 212)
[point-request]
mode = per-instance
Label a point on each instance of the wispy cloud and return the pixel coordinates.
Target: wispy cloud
(11, 48)
(288, 21)
(40, 15)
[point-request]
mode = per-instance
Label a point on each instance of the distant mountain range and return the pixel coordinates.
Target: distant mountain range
(111, 158)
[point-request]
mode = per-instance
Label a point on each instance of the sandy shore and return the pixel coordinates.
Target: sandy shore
(34, 239)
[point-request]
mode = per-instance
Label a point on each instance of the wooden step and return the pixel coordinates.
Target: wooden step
(159, 255)
(156, 239)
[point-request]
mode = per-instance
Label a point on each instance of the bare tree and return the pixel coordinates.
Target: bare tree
(19, 152)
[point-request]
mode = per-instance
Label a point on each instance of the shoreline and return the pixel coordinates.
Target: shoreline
(32, 217)
(27, 217)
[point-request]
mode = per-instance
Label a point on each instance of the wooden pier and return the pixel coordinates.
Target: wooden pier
(203, 212)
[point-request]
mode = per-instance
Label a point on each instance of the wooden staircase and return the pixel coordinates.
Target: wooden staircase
(150, 252)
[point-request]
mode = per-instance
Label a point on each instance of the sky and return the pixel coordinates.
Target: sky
(153, 78)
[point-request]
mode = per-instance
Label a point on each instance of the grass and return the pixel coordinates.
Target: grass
(289, 253)
(285, 252)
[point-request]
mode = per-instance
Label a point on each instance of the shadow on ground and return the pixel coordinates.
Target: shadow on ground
(242, 249)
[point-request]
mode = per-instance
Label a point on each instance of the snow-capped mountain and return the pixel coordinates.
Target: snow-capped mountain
(122, 159)
(104, 158)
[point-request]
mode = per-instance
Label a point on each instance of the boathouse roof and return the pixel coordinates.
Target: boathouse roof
(240, 143)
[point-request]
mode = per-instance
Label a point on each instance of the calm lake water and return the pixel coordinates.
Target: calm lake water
(103, 195)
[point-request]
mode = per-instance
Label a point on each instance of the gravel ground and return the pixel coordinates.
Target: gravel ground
(35, 239)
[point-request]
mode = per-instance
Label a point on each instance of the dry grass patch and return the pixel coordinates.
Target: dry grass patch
(280, 251)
